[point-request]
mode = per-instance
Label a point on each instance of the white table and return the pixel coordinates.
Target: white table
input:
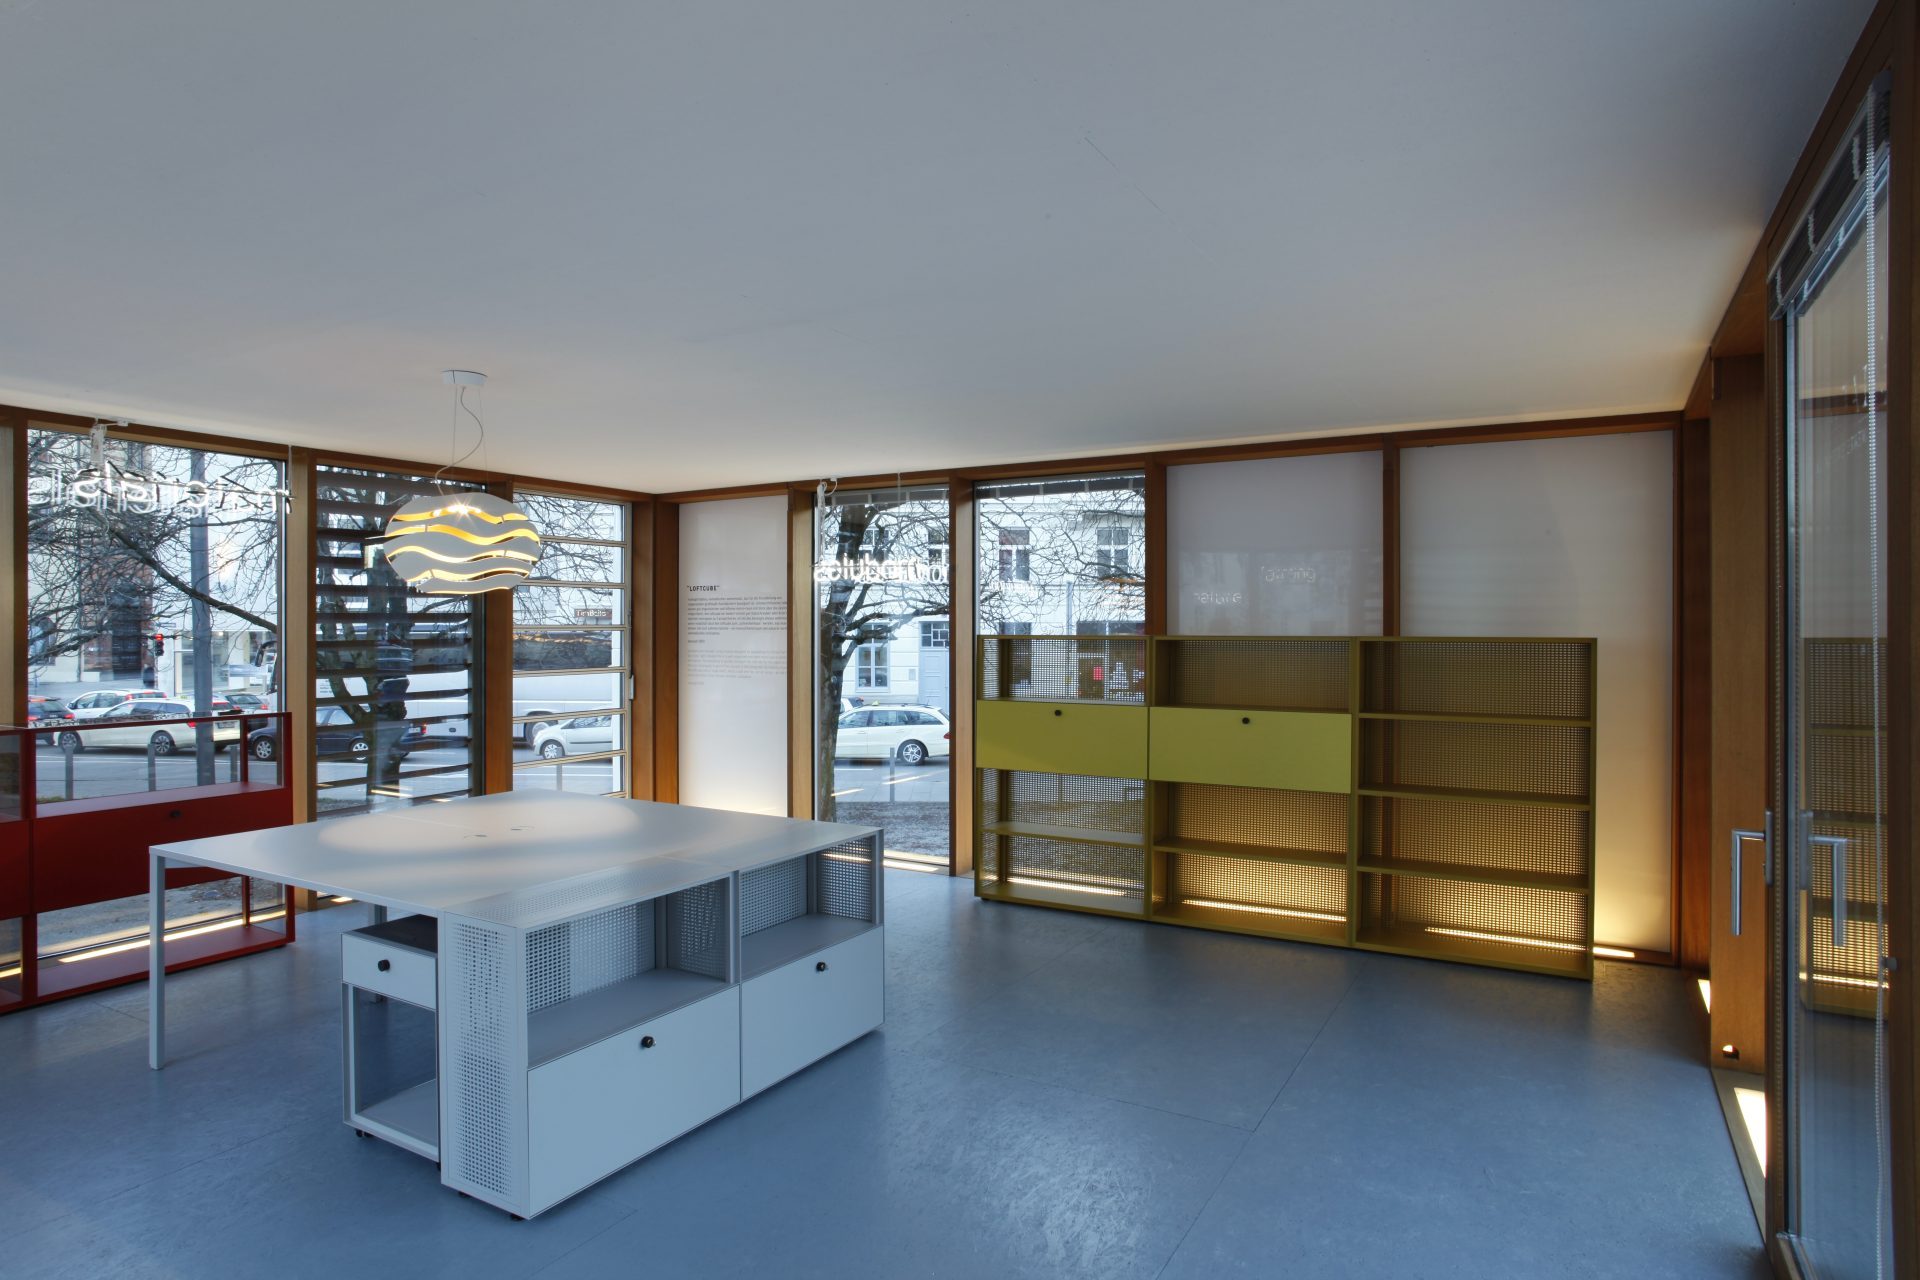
(474, 855)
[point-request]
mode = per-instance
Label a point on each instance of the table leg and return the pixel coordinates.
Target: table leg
(157, 962)
(379, 915)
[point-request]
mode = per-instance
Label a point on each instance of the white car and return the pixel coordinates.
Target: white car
(906, 734)
(91, 706)
(580, 736)
(130, 725)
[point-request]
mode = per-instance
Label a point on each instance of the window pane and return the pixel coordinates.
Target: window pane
(568, 606)
(1060, 555)
(580, 631)
(560, 518)
(882, 606)
(542, 649)
(401, 667)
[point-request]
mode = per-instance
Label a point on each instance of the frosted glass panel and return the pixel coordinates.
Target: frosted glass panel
(1568, 537)
(1287, 546)
(733, 654)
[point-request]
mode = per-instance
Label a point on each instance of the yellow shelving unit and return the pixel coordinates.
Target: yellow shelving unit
(1426, 796)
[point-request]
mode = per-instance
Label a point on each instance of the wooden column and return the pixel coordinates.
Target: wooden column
(963, 550)
(1739, 692)
(802, 664)
(665, 655)
(1692, 698)
(494, 715)
(297, 632)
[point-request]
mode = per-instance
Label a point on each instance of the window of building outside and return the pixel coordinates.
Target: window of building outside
(1060, 556)
(397, 672)
(571, 676)
(884, 688)
(153, 594)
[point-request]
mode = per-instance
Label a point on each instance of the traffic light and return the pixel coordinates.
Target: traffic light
(159, 644)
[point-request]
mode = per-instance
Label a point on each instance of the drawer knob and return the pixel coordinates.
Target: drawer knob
(1246, 719)
(1057, 711)
(821, 967)
(384, 965)
(646, 1042)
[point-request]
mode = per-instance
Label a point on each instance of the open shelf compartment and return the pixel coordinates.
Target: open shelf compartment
(1479, 679)
(595, 975)
(1108, 878)
(393, 1084)
(795, 907)
(1064, 669)
(1254, 673)
(1061, 806)
(1521, 845)
(1245, 895)
(1540, 930)
(1308, 827)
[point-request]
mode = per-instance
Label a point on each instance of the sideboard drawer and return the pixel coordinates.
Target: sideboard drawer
(598, 1109)
(803, 1011)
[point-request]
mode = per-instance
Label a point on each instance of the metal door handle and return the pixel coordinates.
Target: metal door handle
(1740, 836)
(1837, 845)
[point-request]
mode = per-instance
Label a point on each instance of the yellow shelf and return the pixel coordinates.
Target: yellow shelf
(1261, 923)
(1434, 717)
(1511, 878)
(1477, 797)
(1080, 835)
(1254, 852)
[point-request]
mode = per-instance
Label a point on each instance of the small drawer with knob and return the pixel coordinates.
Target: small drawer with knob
(397, 959)
(604, 1106)
(802, 1011)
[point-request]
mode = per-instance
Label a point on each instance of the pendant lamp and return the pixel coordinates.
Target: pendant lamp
(466, 541)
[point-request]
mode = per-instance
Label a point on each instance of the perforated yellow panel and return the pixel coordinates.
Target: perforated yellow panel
(1465, 834)
(1518, 759)
(1256, 817)
(1116, 805)
(1317, 892)
(1542, 678)
(1064, 668)
(1256, 672)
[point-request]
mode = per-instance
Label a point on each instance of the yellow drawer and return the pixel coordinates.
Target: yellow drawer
(1061, 737)
(1284, 750)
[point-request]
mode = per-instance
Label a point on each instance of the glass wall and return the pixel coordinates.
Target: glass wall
(1063, 556)
(883, 604)
(397, 672)
(570, 651)
(153, 595)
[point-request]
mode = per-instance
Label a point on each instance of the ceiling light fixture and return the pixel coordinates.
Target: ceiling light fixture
(467, 541)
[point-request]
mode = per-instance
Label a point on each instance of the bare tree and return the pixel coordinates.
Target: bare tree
(116, 569)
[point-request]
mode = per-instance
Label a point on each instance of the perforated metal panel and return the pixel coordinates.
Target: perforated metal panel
(486, 1043)
(1305, 820)
(1064, 668)
(1117, 805)
(697, 937)
(1520, 759)
(1258, 672)
(843, 881)
(1317, 892)
(1108, 876)
(1463, 834)
(772, 895)
(1535, 678)
(587, 953)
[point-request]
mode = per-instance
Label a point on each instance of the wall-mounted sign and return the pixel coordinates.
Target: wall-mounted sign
(106, 486)
(116, 491)
(868, 570)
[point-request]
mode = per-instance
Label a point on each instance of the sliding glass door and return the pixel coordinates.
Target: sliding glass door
(1833, 653)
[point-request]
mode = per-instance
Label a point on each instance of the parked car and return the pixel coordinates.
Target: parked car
(906, 734)
(130, 724)
(44, 707)
(248, 703)
(580, 736)
(91, 706)
(334, 733)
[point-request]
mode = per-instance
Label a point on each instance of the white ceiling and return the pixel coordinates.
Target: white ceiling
(746, 240)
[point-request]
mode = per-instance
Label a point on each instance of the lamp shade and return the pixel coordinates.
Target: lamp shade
(458, 544)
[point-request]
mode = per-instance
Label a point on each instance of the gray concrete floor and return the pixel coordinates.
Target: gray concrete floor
(1053, 1095)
